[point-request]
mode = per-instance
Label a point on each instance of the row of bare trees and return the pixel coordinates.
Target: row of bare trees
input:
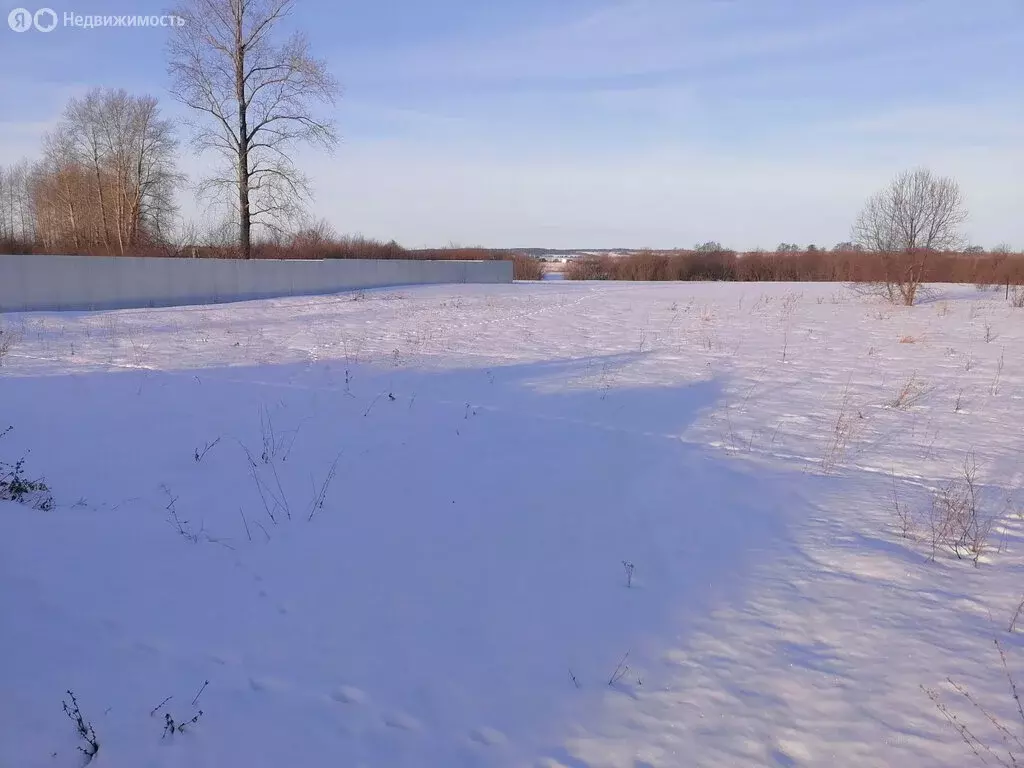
(107, 177)
(105, 182)
(803, 266)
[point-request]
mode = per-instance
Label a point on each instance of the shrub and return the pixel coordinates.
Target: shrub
(590, 268)
(83, 729)
(14, 486)
(957, 519)
(527, 267)
(898, 275)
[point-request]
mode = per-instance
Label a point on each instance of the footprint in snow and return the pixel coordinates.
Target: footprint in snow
(147, 647)
(402, 722)
(790, 754)
(489, 737)
(347, 694)
(262, 684)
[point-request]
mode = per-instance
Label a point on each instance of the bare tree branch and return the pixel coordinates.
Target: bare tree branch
(254, 98)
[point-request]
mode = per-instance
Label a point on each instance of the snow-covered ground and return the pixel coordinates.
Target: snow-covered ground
(549, 524)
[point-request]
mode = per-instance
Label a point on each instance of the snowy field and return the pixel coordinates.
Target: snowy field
(549, 524)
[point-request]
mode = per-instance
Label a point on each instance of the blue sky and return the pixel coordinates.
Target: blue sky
(603, 123)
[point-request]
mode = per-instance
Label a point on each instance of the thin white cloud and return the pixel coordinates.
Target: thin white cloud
(646, 37)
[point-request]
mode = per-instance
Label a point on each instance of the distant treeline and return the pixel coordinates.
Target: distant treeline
(848, 266)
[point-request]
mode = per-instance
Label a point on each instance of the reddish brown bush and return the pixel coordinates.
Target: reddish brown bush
(801, 266)
(309, 246)
(589, 268)
(312, 245)
(527, 267)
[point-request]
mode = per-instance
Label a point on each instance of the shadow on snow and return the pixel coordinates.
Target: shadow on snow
(470, 550)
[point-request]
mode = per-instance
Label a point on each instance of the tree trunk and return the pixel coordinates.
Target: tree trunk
(244, 223)
(99, 192)
(244, 214)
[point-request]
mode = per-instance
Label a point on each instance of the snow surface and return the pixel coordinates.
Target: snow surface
(460, 597)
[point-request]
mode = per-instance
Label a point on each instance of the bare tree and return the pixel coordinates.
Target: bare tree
(144, 146)
(711, 246)
(108, 175)
(6, 204)
(847, 247)
(7, 198)
(17, 217)
(254, 99)
(83, 128)
(60, 194)
(916, 215)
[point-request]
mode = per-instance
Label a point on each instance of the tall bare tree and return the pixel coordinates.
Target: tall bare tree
(108, 176)
(61, 194)
(8, 185)
(83, 142)
(141, 147)
(17, 217)
(916, 215)
(254, 95)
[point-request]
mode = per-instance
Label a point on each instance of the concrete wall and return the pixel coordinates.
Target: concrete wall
(46, 283)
